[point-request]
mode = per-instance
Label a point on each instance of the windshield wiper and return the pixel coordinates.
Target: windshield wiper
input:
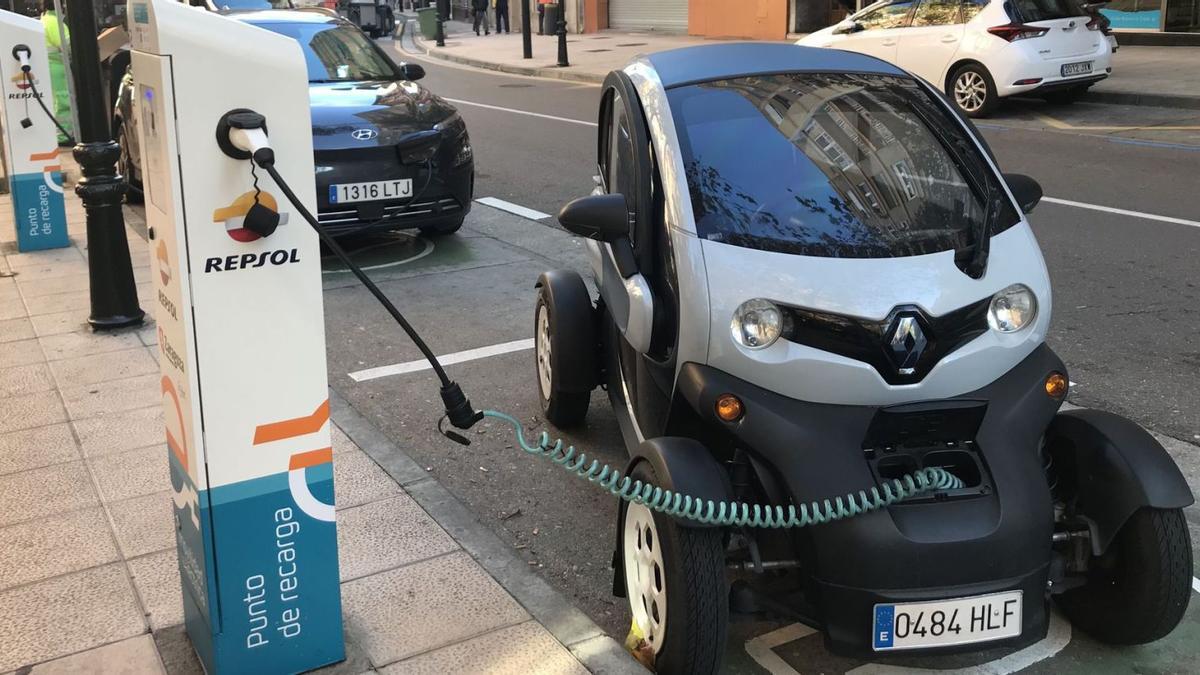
(981, 234)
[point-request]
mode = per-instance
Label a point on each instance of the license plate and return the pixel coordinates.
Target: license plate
(941, 623)
(344, 193)
(1081, 68)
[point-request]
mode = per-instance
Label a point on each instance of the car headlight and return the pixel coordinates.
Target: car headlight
(465, 153)
(1012, 309)
(757, 324)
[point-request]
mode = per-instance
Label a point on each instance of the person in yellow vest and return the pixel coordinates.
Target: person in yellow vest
(58, 74)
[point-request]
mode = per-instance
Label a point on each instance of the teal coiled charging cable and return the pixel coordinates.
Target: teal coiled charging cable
(731, 513)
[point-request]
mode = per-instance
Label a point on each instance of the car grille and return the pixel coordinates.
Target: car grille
(398, 215)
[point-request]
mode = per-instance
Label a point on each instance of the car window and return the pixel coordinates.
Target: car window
(837, 165)
(937, 13)
(971, 8)
(1046, 10)
(337, 52)
(892, 15)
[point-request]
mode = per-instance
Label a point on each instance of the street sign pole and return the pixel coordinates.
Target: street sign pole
(526, 37)
(562, 36)
(114, 302)
(441, 20)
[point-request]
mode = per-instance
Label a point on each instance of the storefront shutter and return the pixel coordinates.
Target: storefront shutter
(669, 16)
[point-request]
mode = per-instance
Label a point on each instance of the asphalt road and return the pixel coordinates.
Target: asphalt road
(1126, 319)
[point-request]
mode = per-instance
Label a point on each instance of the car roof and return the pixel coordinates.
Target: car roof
(282, 16)
(704, 63)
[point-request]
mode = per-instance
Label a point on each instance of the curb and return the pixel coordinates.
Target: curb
(552, 72)
(598, 652)
(1133, 98)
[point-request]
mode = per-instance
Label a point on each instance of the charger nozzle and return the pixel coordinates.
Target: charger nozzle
(22, 54)
(458, 408)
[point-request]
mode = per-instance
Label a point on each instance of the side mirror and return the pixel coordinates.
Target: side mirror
(847, 26)
(1027, 190)
(411, 71)
(602, 217)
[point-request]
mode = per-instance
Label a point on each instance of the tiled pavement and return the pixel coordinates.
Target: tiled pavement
(88, 575)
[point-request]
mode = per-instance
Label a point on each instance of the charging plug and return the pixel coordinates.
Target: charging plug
(22, 54)
(242, 134)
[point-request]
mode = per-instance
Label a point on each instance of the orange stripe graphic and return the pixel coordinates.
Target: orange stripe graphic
(53, 154)
(180, 449)
(301, 426)
(303, 460)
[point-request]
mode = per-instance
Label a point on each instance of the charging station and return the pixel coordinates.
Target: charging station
(241, 341)
(30, 138)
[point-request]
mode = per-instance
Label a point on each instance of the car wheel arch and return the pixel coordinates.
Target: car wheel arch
(947, 85)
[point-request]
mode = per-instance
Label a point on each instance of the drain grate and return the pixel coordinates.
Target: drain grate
(597, 50)
(632, 44)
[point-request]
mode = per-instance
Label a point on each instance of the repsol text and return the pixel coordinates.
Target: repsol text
(245, 261)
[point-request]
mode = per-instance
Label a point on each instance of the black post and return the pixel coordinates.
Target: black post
(110, 273)
(441, 19)
(562, 35)
(526, 36)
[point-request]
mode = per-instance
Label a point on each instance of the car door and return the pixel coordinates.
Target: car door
(879, 30)
(928, 45)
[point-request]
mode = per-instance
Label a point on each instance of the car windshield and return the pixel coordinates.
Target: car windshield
(337, 52)
(247, 4)
(1045, 10)
(835, 165)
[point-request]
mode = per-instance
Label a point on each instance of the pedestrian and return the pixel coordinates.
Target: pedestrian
(480, 8)
(501, 16)
(58, 74)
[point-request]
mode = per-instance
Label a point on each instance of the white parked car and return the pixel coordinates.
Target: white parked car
(979, 51)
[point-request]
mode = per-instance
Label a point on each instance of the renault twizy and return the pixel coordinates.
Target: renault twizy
(814, 279)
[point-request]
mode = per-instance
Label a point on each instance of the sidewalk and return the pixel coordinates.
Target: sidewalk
(1152, 76)
(88, 575)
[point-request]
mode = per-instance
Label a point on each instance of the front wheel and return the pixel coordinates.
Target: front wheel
(675, 584)
(1138, 590)
(564, 336)
(972, 91)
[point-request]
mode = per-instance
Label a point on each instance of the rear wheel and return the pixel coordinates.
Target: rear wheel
(1066, 96)
(564, 348)
(675, 584)
(1138, 591)
(972, 90)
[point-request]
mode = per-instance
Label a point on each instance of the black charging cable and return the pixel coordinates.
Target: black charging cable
(37, 96)
(458, 408)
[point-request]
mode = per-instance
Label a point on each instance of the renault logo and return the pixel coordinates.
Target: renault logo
(363, 134)
(906, 342)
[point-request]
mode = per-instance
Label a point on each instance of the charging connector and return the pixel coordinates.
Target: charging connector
(22, 54)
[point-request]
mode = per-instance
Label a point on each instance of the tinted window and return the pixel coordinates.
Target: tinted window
(1044, 10)
(971, 8)
(936, 13)
(337, 53)
(892, 15)
(830, 164)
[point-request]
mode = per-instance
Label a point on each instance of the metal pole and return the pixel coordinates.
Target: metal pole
(110, 272)
(526, 36)
(562, 34)
(441, 19)
(66, 59)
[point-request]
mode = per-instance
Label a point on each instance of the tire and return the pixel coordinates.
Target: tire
(1138, 591)
(684, 569)
(443, 229)
(564, 348)
(972, 90)
(1066, 96)
(134, 194)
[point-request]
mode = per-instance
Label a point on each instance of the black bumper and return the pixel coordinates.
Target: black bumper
(1060, 85)
(993, 538)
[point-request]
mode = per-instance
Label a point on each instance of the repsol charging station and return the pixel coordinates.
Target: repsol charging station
(241, 339)
(30, 139)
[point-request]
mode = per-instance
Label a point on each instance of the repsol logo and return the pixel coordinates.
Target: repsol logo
(245, 261)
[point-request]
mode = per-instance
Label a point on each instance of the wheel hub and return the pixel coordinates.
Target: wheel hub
(645, 576)
(543, 351)
(970, 91)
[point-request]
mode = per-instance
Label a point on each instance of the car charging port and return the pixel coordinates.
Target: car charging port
(911, 437)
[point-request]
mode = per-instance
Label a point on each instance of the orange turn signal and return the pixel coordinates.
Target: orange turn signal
(729, 407)
(1056, 385)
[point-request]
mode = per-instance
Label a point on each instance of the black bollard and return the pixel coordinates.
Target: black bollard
(114, 301)
(562, 36)
(526, 36)
(441, 19)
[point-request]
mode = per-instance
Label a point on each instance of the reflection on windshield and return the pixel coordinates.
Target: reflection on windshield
(335, 53)
(833, 165)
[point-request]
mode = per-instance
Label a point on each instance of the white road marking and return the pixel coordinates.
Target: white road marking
(512, 208)
(446, 360)
(521, 112)
(1196, 584)
(762, 648)
(427, 248)
(1122, 212)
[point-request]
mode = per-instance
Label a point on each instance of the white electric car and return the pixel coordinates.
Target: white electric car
(979, 51)
(814, 280)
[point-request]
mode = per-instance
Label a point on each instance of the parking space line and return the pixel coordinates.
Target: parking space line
(556, 118)
(445, 359)
(1196, 584)
(512, 208)
(1122, 212)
